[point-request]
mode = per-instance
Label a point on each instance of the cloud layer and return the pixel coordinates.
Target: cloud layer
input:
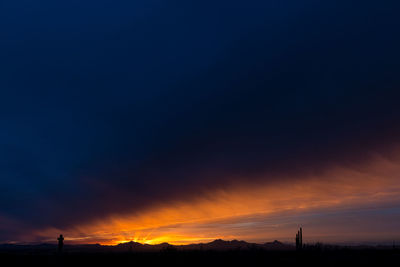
(110, 110)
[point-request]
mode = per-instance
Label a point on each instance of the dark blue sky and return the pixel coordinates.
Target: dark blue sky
(110, 106)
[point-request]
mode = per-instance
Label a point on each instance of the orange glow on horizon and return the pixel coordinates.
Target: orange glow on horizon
(243, 211)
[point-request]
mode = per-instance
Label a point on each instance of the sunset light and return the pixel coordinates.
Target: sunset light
(244, 211)
(199, 133)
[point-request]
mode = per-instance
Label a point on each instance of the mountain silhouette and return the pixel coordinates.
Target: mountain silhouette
(216, 245)
(220, 244)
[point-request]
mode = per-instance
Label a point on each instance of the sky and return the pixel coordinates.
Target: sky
(187, 121)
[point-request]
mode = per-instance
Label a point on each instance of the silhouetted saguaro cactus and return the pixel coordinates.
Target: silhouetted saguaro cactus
(60, 243)
(299, 239)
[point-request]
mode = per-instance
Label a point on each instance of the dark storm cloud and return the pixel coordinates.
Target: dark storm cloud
(108, 107)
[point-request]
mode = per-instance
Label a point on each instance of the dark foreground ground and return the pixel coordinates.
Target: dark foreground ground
(209, 258)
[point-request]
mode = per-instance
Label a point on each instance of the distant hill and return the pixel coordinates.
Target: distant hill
(216, 245)
(135, 246)
(220, 244)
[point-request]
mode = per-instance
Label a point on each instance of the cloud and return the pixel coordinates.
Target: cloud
(164, 105)
(331, 204)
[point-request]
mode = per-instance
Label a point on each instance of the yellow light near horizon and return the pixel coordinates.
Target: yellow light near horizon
(212, 215)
